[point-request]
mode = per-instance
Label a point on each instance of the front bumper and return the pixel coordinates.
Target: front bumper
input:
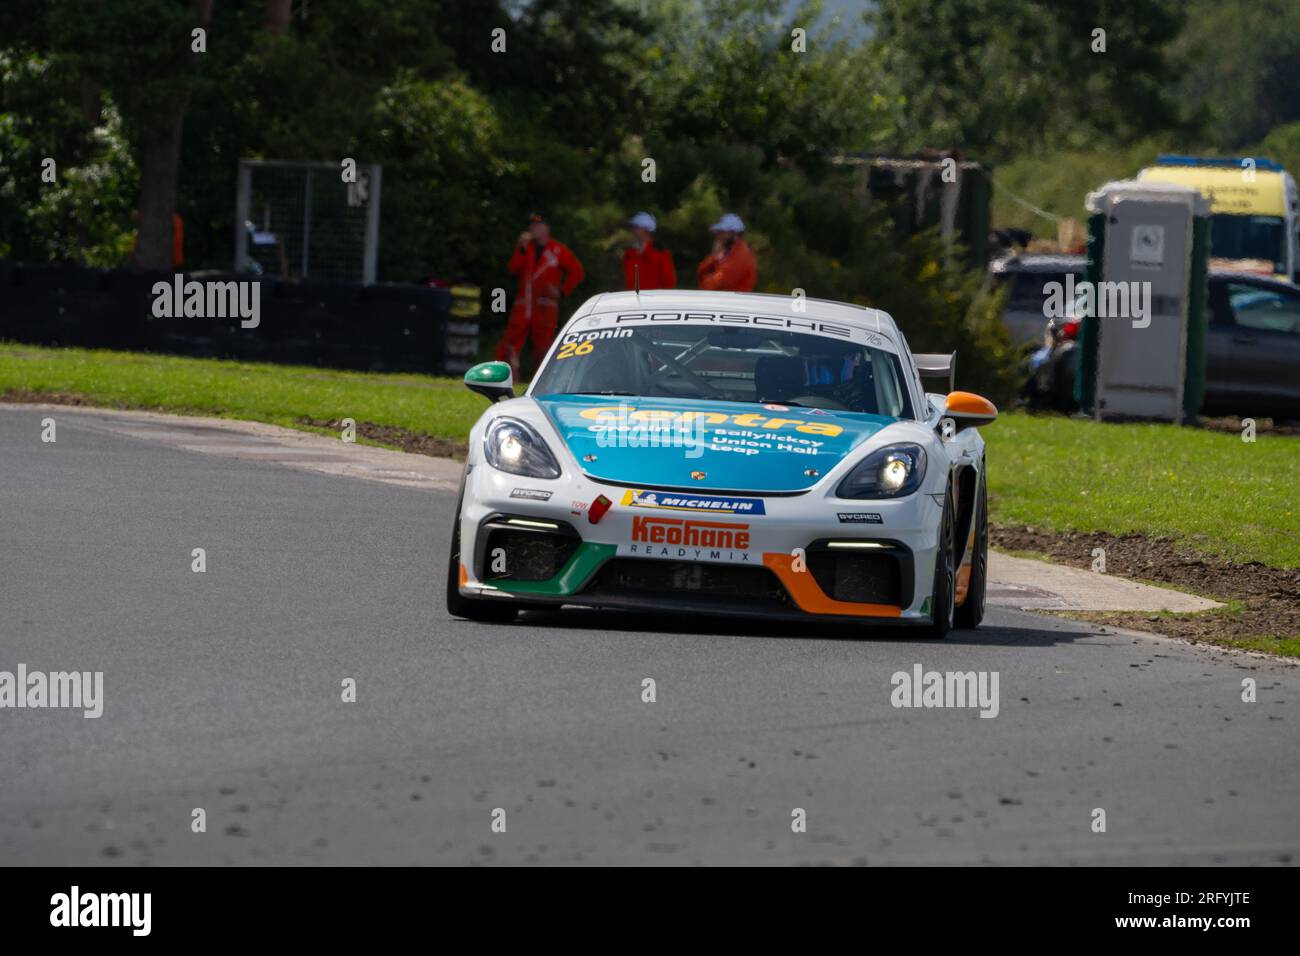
(808, 555)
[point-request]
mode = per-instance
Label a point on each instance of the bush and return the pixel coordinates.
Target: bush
(85, 216)
(441, 144)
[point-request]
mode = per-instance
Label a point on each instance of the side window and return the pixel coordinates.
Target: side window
(889, 393)
(1263, 309)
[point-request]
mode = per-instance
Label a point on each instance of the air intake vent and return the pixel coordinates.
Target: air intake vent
(867, 578)
(513, 555)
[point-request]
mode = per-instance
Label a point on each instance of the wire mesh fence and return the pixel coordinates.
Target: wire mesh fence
(300, 220)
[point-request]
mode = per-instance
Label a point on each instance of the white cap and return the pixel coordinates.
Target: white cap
(644, 220)
(730, 222)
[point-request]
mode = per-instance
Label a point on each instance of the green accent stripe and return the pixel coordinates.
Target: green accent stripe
(575, 573)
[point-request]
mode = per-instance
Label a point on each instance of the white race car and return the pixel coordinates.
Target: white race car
(726, 453)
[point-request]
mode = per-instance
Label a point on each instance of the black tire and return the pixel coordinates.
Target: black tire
(970, 612)
(475, 609)
(945, 577)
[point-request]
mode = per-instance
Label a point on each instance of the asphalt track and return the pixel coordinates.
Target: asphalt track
(223, 692)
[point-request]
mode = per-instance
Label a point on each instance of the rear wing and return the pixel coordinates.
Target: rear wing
(937, 365)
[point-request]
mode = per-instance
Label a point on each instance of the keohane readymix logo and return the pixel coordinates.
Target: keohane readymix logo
(82, 690)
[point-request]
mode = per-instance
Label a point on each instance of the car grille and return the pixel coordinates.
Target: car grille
(689, 581)
(528, 555)
(852, 576)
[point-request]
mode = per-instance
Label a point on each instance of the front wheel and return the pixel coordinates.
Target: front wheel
(945, 578)
(475, 609)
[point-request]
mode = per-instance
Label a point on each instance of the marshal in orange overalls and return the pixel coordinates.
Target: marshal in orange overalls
(544, 275)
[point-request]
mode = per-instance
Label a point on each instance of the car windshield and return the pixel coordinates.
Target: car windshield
(728, 364)
(1248, 237)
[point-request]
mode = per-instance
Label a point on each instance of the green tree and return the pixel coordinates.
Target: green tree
(41, 118)
(1239, 63)
(1000, 77)
(84, 217)
(443, 150)
(142, 57)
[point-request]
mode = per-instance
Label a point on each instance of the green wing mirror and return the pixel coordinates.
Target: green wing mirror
(492, 380)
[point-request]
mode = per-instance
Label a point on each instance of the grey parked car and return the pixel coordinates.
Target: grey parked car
(1027, 275)
(1252, 347)
(1252, 352)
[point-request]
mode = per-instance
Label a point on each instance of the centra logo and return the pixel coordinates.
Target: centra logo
(696, 534)
(665, 418)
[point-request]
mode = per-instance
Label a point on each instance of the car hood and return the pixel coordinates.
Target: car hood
(731, 446)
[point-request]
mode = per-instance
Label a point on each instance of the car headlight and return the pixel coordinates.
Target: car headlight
(510, 445)
(890, 472)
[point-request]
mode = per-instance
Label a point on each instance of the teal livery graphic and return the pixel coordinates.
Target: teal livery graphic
(736, 446)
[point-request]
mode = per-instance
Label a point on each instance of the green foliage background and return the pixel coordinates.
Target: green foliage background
(711, 90)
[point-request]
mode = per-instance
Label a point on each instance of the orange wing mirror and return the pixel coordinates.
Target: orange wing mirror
(967, 409)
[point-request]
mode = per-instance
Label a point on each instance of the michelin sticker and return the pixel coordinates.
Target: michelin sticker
(710, 503)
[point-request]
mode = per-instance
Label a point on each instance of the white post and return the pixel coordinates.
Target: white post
(242, 190)
(370, 263)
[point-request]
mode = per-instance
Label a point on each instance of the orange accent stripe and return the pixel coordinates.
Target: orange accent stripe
(963, 572)
(464, 575)
(811, 598)
(963, 583)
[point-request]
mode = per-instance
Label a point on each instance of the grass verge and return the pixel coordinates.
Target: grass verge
(287, 395)
(1207, 490)
(1261, 604)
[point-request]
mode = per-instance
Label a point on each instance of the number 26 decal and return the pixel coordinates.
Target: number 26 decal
(570, 349)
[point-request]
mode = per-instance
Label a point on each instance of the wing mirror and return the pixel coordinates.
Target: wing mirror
(492, 380)
(966, 410)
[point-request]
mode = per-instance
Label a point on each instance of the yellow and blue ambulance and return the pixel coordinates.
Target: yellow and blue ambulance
(1253, 225)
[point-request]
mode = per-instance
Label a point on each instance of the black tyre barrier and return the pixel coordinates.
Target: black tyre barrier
(329, 324)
